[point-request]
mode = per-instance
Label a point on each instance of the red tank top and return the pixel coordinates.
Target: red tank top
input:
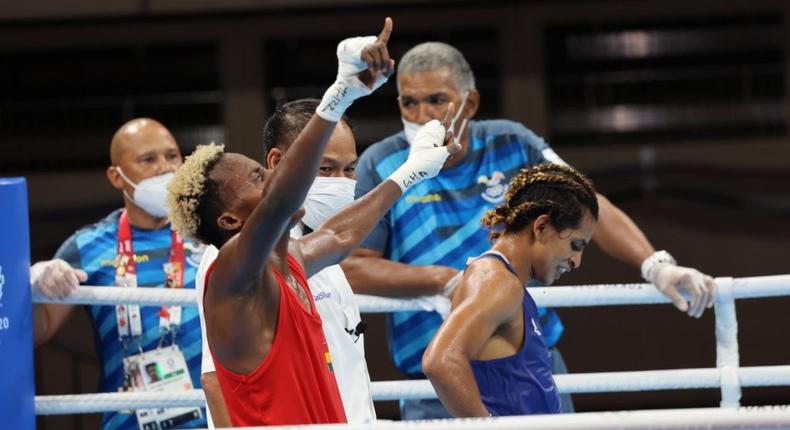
(295, 383)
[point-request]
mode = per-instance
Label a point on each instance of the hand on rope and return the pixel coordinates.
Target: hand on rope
(451, 285)
(55, 278)
(364, 65)
(670, 279)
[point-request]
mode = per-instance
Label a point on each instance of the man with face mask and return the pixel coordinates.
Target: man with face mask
(418, 247)
(332, 191)
(133, 246)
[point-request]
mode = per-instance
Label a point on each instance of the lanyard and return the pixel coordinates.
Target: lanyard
(128, 316)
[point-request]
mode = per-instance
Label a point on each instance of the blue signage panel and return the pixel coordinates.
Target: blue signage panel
(17, 403)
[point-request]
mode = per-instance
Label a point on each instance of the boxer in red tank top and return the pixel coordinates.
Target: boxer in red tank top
(264, 333)
(297, 372)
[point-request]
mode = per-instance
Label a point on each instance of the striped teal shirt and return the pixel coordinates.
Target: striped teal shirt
(93, 249)
(437, 222)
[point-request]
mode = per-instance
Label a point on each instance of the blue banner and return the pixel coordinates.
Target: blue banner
(17, 402)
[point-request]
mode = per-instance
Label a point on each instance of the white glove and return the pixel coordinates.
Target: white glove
(440, 304)
(348, 87)
(55, 278)
(451, 285)
(427, 155)
(660, 270)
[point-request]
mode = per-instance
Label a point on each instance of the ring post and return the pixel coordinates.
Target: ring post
(16, 322)
(727, 356)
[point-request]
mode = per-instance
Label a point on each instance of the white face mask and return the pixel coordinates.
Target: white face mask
(410, 129)
(326, 197)
(150, 194)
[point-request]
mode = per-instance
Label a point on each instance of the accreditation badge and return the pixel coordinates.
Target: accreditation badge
(163, 369)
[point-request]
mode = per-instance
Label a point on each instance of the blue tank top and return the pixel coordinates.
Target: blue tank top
(520, 384)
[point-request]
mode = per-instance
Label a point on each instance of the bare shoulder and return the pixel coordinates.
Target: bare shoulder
(486, 282)
(230, 279)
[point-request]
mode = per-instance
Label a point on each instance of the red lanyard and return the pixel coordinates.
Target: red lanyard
(126, 276)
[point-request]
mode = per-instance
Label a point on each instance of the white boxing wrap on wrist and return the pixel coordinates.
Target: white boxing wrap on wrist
(335, 102)
(426, 157)
(347, 86)
(650, 262)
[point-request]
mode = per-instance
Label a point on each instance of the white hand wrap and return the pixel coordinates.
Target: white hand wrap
(347, 86)
(650, 262)
(449, 288)
(426, 157)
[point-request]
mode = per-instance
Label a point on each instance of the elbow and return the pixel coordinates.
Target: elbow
(41, 325)
(210, 384)
(206, 381)
(346, 242)
(432, 363)
(351, 268)
(342, 243)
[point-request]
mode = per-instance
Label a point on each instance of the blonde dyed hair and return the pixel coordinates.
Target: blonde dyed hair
(187, 190)
(557, 190)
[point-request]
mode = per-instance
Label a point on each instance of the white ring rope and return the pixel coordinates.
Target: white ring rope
(727, 375)
(576, 296)
(603, 382)
(702, 418)
(670, 419)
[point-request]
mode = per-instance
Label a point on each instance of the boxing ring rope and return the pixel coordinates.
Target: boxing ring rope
(700, 418)
(727, 376)
(601, 382)
(555, 297)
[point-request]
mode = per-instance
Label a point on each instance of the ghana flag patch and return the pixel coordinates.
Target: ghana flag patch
(329, 361)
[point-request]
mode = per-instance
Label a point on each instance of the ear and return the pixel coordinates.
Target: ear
(229, 221)
(115, 178)
(274, 157)
(472, 104)
(541, 227)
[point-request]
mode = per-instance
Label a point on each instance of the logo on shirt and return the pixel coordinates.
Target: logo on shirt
(496, 187)
(428, 198)
(536, 327)
(117, 261)
(323, 295)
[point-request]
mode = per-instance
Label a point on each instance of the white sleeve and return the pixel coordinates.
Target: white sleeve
(207, 364)
(552, 157)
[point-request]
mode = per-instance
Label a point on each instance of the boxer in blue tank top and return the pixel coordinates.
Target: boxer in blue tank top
(489, 357)
(520, 384)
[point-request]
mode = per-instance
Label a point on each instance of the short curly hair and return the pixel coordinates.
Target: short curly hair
(192, 196)
(557, 190)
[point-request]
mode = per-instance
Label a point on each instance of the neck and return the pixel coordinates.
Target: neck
(142, 219)
(512, 247)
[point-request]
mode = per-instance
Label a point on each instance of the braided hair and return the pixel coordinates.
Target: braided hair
(559, 191)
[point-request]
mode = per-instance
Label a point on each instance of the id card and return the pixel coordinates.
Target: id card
(163, 369)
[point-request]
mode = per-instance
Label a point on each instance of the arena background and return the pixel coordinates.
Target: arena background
(679, 110)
